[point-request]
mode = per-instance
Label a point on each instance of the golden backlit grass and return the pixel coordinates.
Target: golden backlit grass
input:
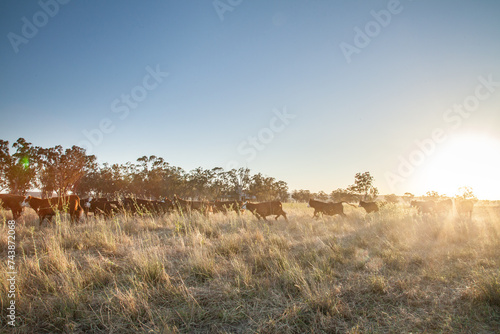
(390, 272)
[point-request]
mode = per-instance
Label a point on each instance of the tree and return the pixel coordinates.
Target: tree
(4, 163)
(433, 195)
(465, 193)
(267, 188)
(103, 181)
(339, 195)
(392, 198)
(408, 197)
(301, 195)
(220, 183)
(238, 182)
(62, 170)
(17, 171)
(363, 186)
(199, 182)
(48, 159)
(150, 177)
(280, 191)
(260, 187)
(156, 177)
(322, 196)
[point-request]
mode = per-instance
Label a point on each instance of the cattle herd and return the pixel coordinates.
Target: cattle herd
(77, 208)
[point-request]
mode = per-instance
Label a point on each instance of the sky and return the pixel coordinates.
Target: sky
(308, 92)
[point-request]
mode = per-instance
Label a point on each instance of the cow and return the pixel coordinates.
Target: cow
(424, 206)
(46, 208)
(182, 205)
(12, 203)
(226, 206)
(264, 209)
(100, 206)
(443, 206)
(85, 204)
(369, 206)
(137, 205)
(163, 206)
(117, 206)
(327, 208)
(88, 204)
(464, 206)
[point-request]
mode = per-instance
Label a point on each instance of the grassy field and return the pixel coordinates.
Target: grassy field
(390, 272)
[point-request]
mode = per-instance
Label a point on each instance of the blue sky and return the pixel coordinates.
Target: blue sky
(222, 77)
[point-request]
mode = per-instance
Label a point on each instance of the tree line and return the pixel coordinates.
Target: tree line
(61, 171)
(363, 188)
(24, 167)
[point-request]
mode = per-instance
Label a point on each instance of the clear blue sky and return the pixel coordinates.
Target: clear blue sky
(233, 66)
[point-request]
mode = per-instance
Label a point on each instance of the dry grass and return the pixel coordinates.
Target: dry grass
(390, 272)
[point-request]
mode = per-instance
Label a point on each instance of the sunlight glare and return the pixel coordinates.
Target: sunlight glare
(470, 160)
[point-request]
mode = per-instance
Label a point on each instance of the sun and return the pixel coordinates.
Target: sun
(467, 160)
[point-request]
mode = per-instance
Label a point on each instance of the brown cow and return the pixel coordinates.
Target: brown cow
(327, 208)
(46, 208)
(12, 203)
(369, 206)
(444, 206)
(188, 206)
(424, 206)
(226, 206)
(264, 209)
(464, 206)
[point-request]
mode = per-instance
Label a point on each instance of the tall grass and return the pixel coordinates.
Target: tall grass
(393, 271)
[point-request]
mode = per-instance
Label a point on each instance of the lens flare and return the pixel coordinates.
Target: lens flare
(25, 162)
